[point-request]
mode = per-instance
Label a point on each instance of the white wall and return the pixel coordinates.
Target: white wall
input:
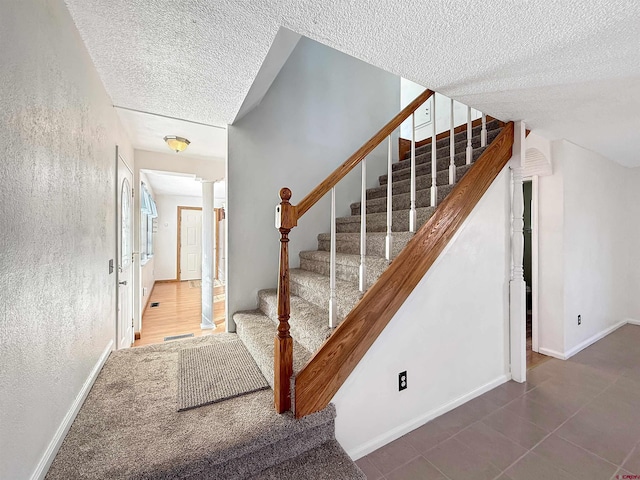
(167, 237)
(147, 271)
(451, 336)
(597, 243)
(550, 257)
(588, 238)
(321, 108)
(410, 90)
(58, 217)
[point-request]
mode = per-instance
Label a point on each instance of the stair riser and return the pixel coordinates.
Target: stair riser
(422, 182)
(312, 340)
(425, 168)
(403, 201)
(404, 186)
(445, 152)
(377, 222)
(348, 273)
(319, 296)
(254, 348)
(255, 462)
(376, 246)
(462, 136)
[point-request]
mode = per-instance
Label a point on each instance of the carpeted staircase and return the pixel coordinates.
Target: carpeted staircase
(310, 282)
(130, 426)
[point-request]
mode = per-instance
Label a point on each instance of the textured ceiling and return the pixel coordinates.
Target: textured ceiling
(147, 132)
(180, 184)
(569, 68)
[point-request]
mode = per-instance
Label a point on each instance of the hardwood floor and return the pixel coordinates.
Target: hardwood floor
(179, 312)
(533, 358)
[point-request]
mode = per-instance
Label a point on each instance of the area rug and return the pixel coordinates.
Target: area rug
(195, 283)
(216, 372)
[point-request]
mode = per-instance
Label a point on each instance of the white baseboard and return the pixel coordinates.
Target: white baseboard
(395, 433)
(589, 341)
(50, 453)
(552, 353)
(594, 338)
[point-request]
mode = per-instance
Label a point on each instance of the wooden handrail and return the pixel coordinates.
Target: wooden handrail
(327, 370)
(338, 174)
(287, 216)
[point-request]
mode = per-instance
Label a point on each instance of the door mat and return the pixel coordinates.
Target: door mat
(214, 373)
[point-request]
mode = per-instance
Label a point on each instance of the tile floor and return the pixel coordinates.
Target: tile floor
(573, 419)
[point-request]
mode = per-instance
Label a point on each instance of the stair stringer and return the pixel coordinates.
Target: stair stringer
(330, 366)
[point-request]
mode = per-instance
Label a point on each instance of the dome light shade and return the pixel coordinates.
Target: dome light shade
(177, 144)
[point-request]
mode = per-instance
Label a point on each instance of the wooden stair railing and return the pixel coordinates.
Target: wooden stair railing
(326, 371)
(287, 216)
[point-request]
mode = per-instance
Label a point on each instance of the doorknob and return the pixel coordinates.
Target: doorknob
(123, 283)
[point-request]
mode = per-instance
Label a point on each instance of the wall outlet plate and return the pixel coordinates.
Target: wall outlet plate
(402, 381)
(579, 319)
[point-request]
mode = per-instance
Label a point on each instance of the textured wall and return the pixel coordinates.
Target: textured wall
(321, 108)
(57, 234)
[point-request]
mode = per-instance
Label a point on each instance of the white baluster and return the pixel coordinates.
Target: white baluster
(434, 160)
(389, 238)
(452, 148)
(333, 304)
(469, 135)
(412, 211)
(483, 132)
(363, 228)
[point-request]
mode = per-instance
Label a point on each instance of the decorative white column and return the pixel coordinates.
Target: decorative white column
(517, 285)
(207, 255)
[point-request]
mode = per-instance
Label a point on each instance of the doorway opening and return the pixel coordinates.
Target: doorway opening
(172, 279)
(530, 266)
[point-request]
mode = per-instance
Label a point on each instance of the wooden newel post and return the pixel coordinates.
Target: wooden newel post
(283, 352)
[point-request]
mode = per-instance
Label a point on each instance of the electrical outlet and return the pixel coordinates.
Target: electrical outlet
(579, 319)
(402, 381)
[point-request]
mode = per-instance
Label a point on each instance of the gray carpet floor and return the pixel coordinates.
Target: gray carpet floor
(129, 427)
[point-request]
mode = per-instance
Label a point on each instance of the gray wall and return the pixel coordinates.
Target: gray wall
(321, 108)
(57, 299)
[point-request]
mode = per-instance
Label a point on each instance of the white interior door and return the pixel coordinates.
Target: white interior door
(124, 323)
(190, 244)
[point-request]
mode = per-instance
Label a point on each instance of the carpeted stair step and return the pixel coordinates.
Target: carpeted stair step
(257, 332)
(314, 288)
(327, 461)
(445, 152)
(403, 201)
(347, 265)
(422, 182)
(492, 125)
(376, 246)
(377, 222)
(309, 323)
(425, 168)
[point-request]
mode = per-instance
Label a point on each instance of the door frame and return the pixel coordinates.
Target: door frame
(534, 261)
(179, 240)
(118, 214)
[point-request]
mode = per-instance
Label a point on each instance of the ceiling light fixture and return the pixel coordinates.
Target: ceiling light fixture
(177, 144)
